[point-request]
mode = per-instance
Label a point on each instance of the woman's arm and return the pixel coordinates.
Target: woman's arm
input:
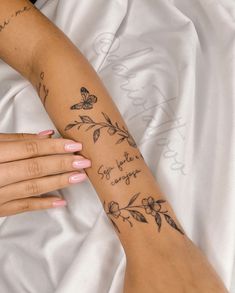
(82, 109)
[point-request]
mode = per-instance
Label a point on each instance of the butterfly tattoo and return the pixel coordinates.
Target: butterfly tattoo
(87, 100)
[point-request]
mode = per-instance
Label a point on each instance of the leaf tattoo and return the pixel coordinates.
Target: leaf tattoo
(96, 134)
(171, 222)
(138, 216)
(158, 221)
(133, 199)
(42, 89)
(151, 207)
(87, 100)
(112, 129)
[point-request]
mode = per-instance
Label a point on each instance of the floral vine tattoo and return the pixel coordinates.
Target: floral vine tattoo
(43, 91)
(150, 206)
(87, 100)
(112, 129)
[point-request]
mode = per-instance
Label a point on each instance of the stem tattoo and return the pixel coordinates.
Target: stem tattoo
(87, 103)
(130, 212)
(112, 129)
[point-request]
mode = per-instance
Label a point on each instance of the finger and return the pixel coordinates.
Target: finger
(23, 149)
(39, 167)
(25, 136)
(40, 186)
(30, 204)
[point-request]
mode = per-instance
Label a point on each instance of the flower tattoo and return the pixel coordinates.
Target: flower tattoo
(151, 207)
(112, 129)
(114, 210)
(87, 100)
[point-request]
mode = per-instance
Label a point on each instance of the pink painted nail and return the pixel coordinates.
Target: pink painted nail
(46, 132)
(59, 203)
(73, 147)
(76, 178)
(79, 164)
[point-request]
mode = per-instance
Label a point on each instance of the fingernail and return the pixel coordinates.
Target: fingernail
(79, 164)
(73, 147)
(59, 203)
(75, 178)
(46, 132)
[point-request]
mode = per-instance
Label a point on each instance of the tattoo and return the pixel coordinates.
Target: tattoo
(20, 11)
(15, 14)
(42, 89)
(87, 100)
(127, 159)
(112, 129)
(4, 24)
(126, 178)
(151, 207)
(107, 172)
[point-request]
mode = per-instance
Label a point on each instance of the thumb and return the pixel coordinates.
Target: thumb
(25, 136)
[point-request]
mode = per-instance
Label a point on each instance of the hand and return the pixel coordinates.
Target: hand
(31, 165)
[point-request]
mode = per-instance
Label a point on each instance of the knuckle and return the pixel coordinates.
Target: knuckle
(34, 168)
(32, 188)
(21, 136)
(32, 148)
(65, 162)
(63, 165)
(23, 205)
(62, 181)
(55, 145)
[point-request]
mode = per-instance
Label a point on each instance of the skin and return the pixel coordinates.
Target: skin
(31, 165)
(160, 256)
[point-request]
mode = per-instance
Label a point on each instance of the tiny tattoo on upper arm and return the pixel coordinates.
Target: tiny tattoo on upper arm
(150, 206)
(15, 14)
(42, 89)
(87, 100)
(112, 129)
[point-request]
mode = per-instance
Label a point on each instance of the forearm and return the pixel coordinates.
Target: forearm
(131, 196)
(58, 71)
(118, 170)
(144, 221)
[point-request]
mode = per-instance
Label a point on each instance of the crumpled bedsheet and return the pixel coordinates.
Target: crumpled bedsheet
(170, 67)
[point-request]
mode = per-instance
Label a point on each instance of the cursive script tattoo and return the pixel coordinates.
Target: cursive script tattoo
(126, 178)
(87, 100)
(112, 129)
(106, 172)
(127, 159)
(42, 89)
(22, 10)
(4, 24)
(152, 207)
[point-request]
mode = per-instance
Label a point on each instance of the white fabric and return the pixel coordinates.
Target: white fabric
(170, 67)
